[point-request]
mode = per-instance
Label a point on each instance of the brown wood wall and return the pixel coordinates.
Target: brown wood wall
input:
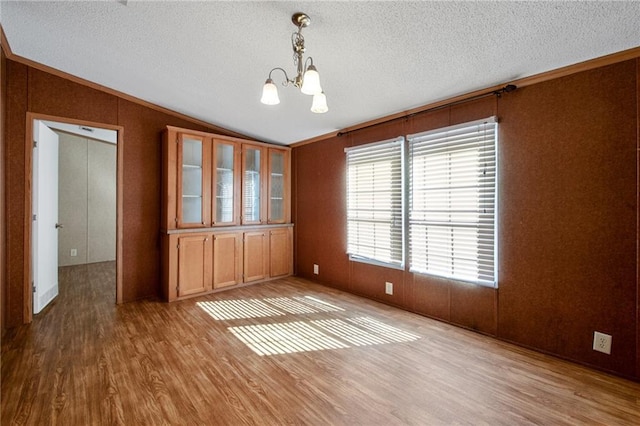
(568, 219)
(31, 90)
(3, 222)
(568, 228)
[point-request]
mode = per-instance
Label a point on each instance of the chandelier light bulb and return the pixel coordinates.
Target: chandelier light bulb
(319, 104)
(311, 82)
(270, 93)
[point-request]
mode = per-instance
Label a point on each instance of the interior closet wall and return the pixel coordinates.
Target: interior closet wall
(87, 200)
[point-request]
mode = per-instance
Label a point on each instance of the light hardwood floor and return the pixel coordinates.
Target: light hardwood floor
(337, 360)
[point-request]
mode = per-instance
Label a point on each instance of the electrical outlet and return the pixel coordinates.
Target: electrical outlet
(602, 342)
(316, 269)
(74, 252)
(388, 287)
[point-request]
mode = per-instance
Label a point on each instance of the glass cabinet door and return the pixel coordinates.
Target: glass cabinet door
(276, 186)
(225, 183)
(192, 174)
(252, 184)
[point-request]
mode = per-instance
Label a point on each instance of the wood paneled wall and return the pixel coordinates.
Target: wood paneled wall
(3, 222)
(32, 90)
(568, 227)
(568, 219)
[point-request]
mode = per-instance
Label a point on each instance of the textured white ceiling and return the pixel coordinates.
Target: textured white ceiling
(209, 60)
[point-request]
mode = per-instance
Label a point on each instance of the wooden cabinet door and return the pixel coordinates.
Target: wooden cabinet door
(254, 185)
(194, 264)
(225, 174)
(278, 209)
(227, 259)
(280, 252)
(193, 181)
(256, 256)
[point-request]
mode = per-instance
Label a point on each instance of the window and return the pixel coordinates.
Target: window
(452, 202)
(374, 202)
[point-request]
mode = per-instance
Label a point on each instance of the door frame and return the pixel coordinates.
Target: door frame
(28, 170)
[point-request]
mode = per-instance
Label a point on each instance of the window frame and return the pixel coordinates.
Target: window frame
(449, 147)
(398, 225)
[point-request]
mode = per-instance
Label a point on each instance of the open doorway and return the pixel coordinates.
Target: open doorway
(84, 225)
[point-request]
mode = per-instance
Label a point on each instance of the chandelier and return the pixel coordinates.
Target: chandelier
(307, 78)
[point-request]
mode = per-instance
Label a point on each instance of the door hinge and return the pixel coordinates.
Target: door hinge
(33, 287)
(35, 217)
(35, 144)
(177, 246)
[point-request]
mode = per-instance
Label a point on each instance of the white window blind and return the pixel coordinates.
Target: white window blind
(452, 198)
(374, 202)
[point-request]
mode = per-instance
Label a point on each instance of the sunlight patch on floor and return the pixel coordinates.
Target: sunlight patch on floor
(319, 304)
(259, 308)
(301, 336)
(291, 306)
(358, 336)
(284, 338)
(304, 335)
(238, 309)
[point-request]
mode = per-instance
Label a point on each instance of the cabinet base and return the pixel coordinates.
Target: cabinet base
(223, 289)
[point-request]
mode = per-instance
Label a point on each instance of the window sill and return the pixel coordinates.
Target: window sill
(487, 284)
(375, 262)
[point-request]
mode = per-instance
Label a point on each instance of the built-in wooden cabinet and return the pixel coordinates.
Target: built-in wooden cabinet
(194, 264)
(281, 249)
(197, 263)
(226, 183)
(256, 255)
(202, 180)
(279, 182)
(193, 152)
(227, 259)
(254, 184)
(226, 212)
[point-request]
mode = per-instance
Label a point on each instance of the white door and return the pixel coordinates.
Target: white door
(45, 210)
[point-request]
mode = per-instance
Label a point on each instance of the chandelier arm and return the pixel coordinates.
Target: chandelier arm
(306, 63)
(287, 80)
